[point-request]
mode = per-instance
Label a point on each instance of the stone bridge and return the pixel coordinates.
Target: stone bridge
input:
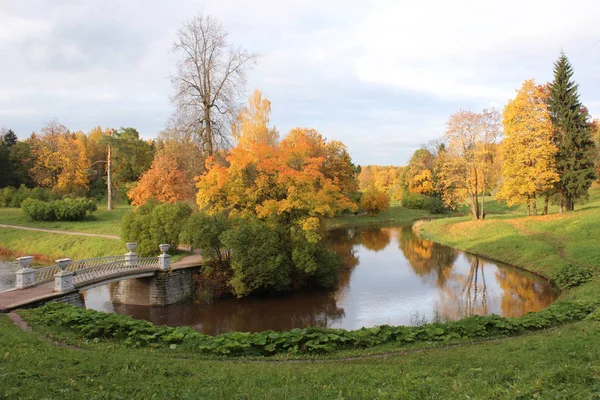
(162, 282)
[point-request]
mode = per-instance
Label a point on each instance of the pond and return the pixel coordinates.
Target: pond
(391, 276)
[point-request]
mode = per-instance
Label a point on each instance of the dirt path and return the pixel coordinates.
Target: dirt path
(27, 228)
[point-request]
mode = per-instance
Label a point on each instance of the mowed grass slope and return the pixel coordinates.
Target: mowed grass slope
(101, 221)
(561, 363)
(395, 214)
(539, 243)
(50, 246)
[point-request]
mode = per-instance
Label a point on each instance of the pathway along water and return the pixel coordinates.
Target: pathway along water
(392, 277)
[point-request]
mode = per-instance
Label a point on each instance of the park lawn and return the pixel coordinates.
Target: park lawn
(558, 363)
(47, 246)
(101, 221)
(395, 214)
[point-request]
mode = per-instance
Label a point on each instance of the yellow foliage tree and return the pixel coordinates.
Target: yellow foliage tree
(252, 123)
(527, 152)
(468, 163)
(61, 160)
(373, 201)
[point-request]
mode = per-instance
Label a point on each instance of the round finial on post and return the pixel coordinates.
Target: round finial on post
(25, 261)
(63, 263)
(131, 246)
(164, 247)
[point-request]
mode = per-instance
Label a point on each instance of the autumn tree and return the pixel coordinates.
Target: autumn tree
(419, 174)
(527, 151)
(465, 173)
(170, 177)
(374, 202)
(572, 136)
(595, 127)
(211, 75)
(252, 123)
(61, 161)
(288, 184)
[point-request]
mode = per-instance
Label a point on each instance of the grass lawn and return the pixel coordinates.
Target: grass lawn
(395, 214)
(101, 221)
(51, 246)
(560, 363)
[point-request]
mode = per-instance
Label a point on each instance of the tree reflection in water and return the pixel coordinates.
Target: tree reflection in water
(249, 315)
(388, 275)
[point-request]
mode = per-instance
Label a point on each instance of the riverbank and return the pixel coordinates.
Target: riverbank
(396, 214)
(561, 362)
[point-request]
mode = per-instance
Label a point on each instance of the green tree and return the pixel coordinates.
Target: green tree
(10, 139)
(572, 135)
(6, 171)
(131, 156)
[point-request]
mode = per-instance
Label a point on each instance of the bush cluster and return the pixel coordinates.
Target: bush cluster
(572, 275)
(374, 202)
(153, 224)
(260, 257)
(58, 210)
(92, 324)
(13, 197)
(419, 201)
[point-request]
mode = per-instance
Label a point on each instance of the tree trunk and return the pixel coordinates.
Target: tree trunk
(109, 206)
(562, 204)
(474, 206)
(208, 133)
(546, 200)
(534, 204)
(483, 205)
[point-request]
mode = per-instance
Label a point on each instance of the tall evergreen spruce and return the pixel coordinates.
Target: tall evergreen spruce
(572, 135)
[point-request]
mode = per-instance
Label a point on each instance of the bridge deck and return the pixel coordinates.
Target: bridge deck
(18, 298)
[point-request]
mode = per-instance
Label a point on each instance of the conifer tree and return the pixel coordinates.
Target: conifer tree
(572, 135)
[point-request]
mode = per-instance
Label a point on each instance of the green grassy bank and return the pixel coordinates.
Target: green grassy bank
(393, 215)
(101, 221)
(560, 363)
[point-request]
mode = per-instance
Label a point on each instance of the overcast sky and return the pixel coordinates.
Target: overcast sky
(381, 76)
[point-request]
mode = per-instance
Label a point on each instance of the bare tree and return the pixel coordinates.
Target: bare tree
(211, 76)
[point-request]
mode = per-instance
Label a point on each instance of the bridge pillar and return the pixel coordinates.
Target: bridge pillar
(164, 260)
(25, 276)
(131, 257)
(63, 281)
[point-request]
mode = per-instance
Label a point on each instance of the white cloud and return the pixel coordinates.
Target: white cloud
(381, 76)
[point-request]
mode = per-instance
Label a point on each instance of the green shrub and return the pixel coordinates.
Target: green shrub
(250, 256)
(259, 260)
(153, 223)
(12, 197)
(417, 201)
(92, 324)
(572, 275)
(204, 232)
(58, 210)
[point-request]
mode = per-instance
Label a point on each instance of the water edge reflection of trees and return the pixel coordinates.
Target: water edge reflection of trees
(463, 285)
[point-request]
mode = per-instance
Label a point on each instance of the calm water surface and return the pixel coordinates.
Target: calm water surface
(391, 277)
(8, 268)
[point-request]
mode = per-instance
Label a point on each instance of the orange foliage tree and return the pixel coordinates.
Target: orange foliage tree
(290, 183)
(178, 160)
